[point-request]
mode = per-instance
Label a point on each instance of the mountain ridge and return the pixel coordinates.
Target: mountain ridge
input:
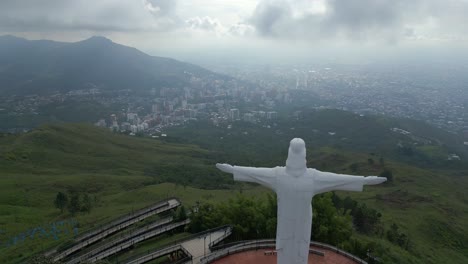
(46, 67)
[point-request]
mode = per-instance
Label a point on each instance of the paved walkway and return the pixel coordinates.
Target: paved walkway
(199, 247)
(196, 247)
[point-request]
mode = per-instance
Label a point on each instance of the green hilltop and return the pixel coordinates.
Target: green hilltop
(123, 173)
(120, 173)
(78, 148)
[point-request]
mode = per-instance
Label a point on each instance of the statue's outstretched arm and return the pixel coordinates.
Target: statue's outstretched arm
(263, 176)
(327, 181)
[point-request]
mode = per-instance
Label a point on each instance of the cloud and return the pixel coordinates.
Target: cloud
(161, 7)
(205, 23)
(358, 19)
(208, 24)
(340, 21)
(241, 29)
(103, 15)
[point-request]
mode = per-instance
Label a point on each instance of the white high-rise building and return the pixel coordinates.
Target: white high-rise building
(234, 114)
(249, 117)
(272, 115)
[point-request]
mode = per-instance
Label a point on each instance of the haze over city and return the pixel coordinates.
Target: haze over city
(269, 31)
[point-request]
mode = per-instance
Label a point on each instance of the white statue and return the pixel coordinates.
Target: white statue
(295, 185)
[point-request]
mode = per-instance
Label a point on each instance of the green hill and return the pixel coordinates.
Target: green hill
(424, 145)
(119, 173)
(427, 198)
(122, 173)
(76, 148)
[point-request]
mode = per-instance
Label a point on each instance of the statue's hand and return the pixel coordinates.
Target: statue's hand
(373, 180)
(225, 167)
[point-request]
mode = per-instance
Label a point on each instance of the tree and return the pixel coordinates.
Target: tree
(394, 236)
(366, 220)
(387, 174)
(87, 204)
(61, 201)
(180, 214)
(353, 167)
(330, 225)
(74, 206)
(382, 161)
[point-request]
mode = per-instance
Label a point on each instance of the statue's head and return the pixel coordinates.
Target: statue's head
(296, 161)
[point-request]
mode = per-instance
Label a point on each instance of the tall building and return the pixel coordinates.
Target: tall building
(154, 108)
(272, 115)
(101, 123)
(249, 117)
(234, 114)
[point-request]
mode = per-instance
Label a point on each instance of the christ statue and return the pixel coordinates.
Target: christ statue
(295, 186)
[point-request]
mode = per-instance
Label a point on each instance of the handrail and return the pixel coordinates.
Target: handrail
(180, 241)
(136, 240)
(227, 233)
(232, 244)
(200, 234)
(160, 253)
(115, 222)
(117, 241)
(337, 250)
(268, 243)
(128, 217)
(99, 235)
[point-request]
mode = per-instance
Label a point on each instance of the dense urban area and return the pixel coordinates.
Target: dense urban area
(262, 93)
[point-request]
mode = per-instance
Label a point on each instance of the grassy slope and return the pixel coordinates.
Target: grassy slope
(428, 200)
(37, 165)
(430, 206)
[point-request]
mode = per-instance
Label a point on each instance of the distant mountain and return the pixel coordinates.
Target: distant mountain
(43, 66)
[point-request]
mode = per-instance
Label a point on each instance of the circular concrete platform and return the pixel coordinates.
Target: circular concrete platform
(262, 256)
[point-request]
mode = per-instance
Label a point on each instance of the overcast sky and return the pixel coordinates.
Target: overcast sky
(290, 28)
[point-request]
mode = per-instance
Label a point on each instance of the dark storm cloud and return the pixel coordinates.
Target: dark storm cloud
(362, 14)
(268, 15)
(103, 15)
(384, 19)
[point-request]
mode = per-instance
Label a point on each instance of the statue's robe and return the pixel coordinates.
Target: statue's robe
(294, 194)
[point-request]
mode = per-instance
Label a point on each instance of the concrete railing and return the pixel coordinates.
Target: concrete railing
(339, 251)
(178, 242)
(110, 229)
(126, 218)
(227, 233)
(135, 240)
(267, 243)
(162, 252)
(120, 240)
